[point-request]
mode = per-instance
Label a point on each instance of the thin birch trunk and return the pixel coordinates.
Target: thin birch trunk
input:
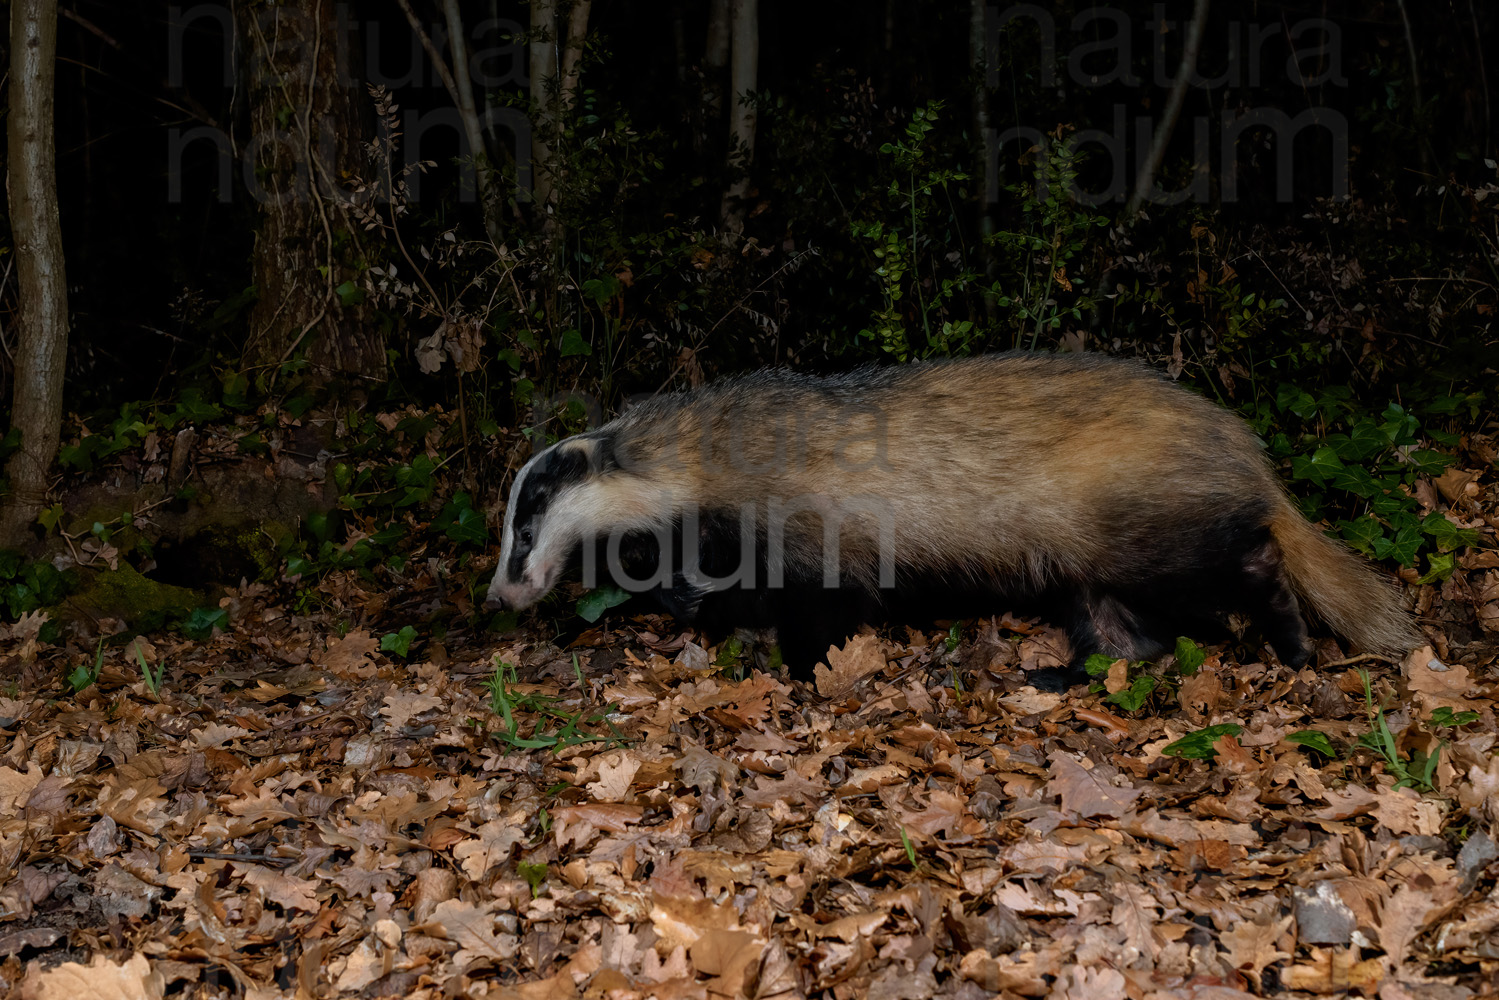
(742, 117)
(543, 69)
(42, 348)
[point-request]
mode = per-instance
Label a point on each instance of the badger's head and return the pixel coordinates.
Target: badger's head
(554, 504)
(577, 491)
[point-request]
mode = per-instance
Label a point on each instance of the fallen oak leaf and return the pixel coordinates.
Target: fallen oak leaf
(1085, 792)
(102, 979)
(861, 656)
(490, 846)
(472, 928)
(286, 891)
(577, 825)
(1254, 944)
(1438, 685)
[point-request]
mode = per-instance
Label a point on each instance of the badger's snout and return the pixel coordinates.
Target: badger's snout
(514, 595)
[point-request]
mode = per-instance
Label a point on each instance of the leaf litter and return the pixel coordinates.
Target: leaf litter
(292, 810)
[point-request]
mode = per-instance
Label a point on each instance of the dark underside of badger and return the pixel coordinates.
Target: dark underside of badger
(716, 579)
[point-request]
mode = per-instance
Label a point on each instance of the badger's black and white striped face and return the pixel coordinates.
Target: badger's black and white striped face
(543, 522)
(570, 493)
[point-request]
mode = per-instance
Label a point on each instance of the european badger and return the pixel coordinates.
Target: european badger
(1134, 508)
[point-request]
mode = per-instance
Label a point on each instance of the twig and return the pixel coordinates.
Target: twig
(1483, 75)
(701, 341)
(264, 859)
(1361, 658)
(1145, 182)
(1410, 45)
(438, 62)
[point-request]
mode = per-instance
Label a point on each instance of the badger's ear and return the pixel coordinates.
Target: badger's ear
(586, 453)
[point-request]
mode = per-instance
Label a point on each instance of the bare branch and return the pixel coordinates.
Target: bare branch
(1145, 183)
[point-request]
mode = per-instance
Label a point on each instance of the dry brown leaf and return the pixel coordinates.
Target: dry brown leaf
(349, 657)
(101, 979)
(576, 825)
(490, 846)
(472, 928)
(1085, 792)
(401, 707)
(1405, 811)
(1333, 970)
(1253, 944)
(1437, 685)
(616, 771)
(861, 656)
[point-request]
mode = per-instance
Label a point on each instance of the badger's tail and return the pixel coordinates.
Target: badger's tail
(1343, 588)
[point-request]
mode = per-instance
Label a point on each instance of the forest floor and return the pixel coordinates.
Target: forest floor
(292, 808)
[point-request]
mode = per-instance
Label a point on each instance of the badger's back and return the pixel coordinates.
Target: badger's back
(1045, 465)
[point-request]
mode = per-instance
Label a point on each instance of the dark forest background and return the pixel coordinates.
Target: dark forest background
(279, 235)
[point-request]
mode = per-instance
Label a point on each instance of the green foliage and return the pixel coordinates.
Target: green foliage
(398, 643)
(730, 653)
(130, 427)
(1313, 740)
(386, 484)
(592, 605)
(1415, 771)
(200, 623)
(508, 703)
(905, 238)
(1099, 664)
(1134, 697)
(910, 848)
(82, 677)
(1199, 745)
(1189, 656)
(28, 586)
(1362, 474)
(1131, 698)
(1057, 233)
(1446, 717)
(152, 678)
(534, 873)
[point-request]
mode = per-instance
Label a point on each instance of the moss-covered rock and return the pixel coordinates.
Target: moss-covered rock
(124, 593)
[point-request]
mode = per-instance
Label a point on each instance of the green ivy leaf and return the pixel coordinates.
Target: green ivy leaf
(1445, 716)
(535, 873)
(1362, 534)
(201, 623)
(1189, 656)
(1313, 740)
(1438, 567)
(1098, 664)
(50, 517)
(573, 344)
(398, 643)
(349, 294)
(1199, 745)
(1134, 697)
(1317, 467)
(592, 605)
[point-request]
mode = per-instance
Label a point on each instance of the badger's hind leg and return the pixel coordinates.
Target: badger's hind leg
(1100, 622)
(1268, 600)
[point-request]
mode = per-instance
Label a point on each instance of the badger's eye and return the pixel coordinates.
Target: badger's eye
(525, 537)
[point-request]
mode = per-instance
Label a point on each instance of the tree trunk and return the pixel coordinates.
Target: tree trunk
(309, 120)
(572, 54)
(543, 71)
(716, 54)
(463, 86)
(742, 78)
(978, 58)
(42, 347)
